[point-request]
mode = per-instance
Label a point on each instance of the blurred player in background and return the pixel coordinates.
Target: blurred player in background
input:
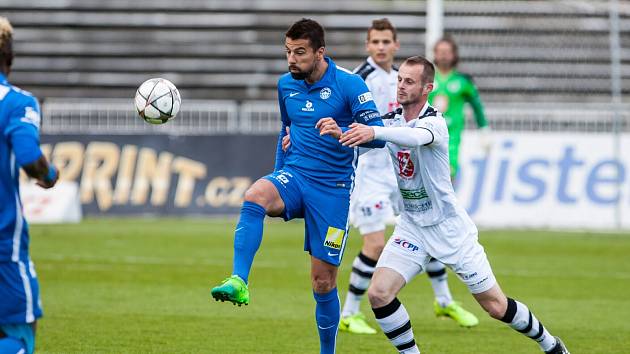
(452, 91)
(19, 147)
(376, 194)
(432, 223)
(313, 179)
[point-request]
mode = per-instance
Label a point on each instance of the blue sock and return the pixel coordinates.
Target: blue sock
(247, 238)
(11, 345)
(327, 314)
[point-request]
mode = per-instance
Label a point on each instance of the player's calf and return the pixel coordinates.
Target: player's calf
(518, 316)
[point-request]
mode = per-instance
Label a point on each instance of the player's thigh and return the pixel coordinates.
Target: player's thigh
(471, 262)
(326, 222)
(284, 189)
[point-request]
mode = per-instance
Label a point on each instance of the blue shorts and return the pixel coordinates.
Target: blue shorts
(324, 209)
(19, 291)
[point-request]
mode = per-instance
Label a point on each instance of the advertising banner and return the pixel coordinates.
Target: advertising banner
(558, 180)
(159, 174)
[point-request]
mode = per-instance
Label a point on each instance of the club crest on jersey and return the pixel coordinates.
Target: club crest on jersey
(334, 238)
(405, 244)
(308, 107)
(406, 167)
(325, 93)
(365, 97)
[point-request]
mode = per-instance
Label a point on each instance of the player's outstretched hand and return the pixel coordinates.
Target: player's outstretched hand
(286, 140)
(328, 126)
(357, 135)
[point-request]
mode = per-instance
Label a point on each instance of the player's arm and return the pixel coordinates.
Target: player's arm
(23, 133)
(426, 133)
(363, 108)
(280, 152)
(472, 97)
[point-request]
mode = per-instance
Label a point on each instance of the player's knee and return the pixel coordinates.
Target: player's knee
(495, 308)
(379, 296)
(322, 284)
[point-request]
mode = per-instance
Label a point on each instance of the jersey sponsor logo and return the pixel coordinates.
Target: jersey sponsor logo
(405, 244)
(406, 168)
(414, 193)
(365, 97)
(308, 107)
(334, 238)
(413, 206)
(293, 94)
(325, 93)
(31, 116)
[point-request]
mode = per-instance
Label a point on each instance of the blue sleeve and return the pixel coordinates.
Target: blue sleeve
(22, 130)
(283, 131)
(363, 108)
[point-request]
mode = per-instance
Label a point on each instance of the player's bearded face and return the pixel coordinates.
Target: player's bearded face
(410, 86)
(302, 59)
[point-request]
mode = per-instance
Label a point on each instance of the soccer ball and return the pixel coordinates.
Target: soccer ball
(157, 101)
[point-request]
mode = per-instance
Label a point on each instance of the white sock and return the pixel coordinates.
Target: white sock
(394, 321)
(439, 282)
(521, 319)
(362, 271)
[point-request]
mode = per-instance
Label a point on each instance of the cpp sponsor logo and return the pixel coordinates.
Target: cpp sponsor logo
(406, 244)
(569, 178)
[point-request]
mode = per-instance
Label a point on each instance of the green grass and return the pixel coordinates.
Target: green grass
(142, 286)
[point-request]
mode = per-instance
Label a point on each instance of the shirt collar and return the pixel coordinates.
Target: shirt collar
(378, 67)
(326, 78)
(422, 111)
(3, 79)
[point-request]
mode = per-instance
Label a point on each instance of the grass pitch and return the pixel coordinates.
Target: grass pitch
(142, 286)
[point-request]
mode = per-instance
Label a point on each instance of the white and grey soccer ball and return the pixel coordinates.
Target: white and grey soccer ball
(157, 101)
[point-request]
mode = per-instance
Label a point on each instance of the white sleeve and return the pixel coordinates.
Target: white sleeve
(404, 136)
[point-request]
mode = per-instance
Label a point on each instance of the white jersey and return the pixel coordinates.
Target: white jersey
(373, 174)
(423, 172)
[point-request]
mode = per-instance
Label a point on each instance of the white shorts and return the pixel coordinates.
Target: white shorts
(372, 214)
(453, 242)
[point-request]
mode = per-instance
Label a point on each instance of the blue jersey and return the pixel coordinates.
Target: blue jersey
(339, 94)
(19, 146)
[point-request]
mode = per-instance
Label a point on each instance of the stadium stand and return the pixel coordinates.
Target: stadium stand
(557, 51)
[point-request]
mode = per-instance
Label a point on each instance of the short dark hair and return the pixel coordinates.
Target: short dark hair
(450, 41)
(6, 42)
(428, 70)
(382, 24)
(307, 29)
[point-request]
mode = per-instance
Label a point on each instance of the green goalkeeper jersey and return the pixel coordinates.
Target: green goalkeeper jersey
(450, 94)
